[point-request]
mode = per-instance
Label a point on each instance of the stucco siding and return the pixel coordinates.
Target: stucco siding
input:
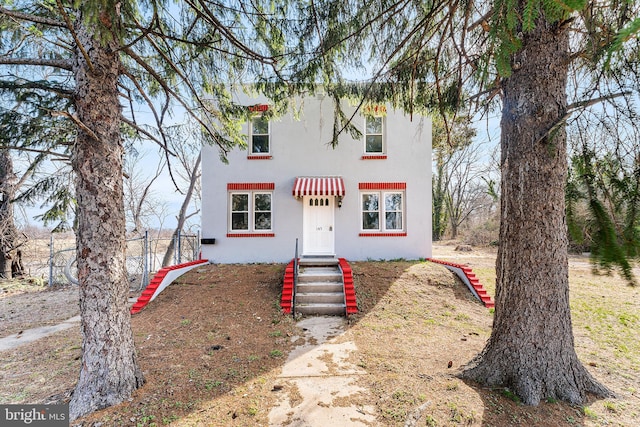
(300, 148)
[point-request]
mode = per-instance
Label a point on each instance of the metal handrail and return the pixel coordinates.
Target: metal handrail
(295, 281)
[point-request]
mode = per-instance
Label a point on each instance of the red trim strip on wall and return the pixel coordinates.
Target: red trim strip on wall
(383, 234)
(251, 235)
(235, 186)
(261, 157)
(374, 157)
(382, 186)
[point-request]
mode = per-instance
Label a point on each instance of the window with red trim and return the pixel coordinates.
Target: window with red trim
(259, 136)
(250, 211)
(374, 135)
(382, 211)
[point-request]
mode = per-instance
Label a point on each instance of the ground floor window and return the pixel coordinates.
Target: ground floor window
(250, 211)
(382, 211)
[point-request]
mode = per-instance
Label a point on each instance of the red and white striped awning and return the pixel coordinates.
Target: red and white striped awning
(318, 186)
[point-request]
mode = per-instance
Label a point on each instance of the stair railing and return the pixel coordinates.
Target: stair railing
(295, 280)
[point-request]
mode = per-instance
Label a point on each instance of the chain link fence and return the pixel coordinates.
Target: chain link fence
(144, 258)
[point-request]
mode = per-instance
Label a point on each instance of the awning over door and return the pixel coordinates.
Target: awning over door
(318, 186)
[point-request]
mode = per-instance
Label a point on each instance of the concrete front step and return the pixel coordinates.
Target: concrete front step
(322, 287)
(326, 309)
(318, 261)
(320, 298)
(315, 274)
(320, 290)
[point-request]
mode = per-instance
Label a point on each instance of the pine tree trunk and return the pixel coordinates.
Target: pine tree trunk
(531, 348)
(109, 371)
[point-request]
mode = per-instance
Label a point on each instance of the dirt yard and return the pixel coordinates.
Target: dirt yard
(211, 347)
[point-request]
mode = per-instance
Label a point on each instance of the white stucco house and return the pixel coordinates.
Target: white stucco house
(368, 198)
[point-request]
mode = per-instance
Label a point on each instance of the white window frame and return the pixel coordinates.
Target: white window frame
(382, 212)
(252, 134)
(381, 134)
(251, 212)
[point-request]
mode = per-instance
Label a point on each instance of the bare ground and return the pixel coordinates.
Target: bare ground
(211, 347)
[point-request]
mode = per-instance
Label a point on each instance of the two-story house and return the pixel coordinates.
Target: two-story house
(369, 198)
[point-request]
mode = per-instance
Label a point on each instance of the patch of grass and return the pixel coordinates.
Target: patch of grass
(395, 414)
(510, 395)
(185, 322)
(454, 413)
(610, 406)
(210, 385)
(610, 323)
(275, 353)
(18, 397)
(146, 420)
(275, 333)
(452, 386)
(399, 395)
(462, 317)
(590, 413)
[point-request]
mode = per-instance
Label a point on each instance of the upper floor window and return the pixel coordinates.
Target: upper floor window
(259, 135)
(374, 135)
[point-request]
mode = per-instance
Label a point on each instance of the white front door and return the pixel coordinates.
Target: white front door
(317, 223)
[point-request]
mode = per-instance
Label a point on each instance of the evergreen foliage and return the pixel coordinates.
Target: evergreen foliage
(602, 209)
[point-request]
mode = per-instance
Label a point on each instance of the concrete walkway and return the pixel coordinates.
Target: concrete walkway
(319, 382)
(29, 335)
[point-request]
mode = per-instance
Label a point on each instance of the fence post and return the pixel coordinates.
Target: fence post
(51, 260)
(175, 249)
(197, 250)
(179, 247)
(145, 267)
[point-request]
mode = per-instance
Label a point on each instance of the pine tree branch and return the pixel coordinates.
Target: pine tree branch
(210, 17)
(148, 135)
(42, 62)
(36, 85)
(578, 106)
(74, 118)
(169, 92)
(483, 21)
(31, 18)
(166, 88)
(35, 150)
